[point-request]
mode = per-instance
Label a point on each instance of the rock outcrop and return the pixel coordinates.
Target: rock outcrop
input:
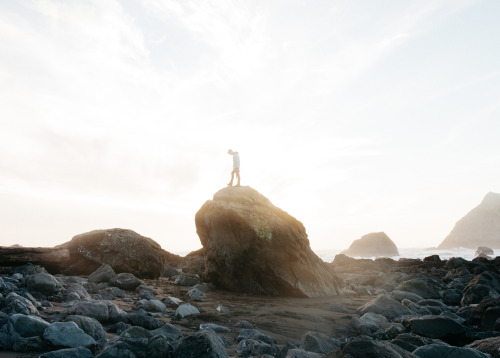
(253, 246)
(123, 250)
(480, 227)
(53, 259)
(376, 244)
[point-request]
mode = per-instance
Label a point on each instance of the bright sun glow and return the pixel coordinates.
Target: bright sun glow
(351, 116)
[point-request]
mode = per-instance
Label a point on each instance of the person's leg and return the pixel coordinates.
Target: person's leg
(232, 177)
(238, 177)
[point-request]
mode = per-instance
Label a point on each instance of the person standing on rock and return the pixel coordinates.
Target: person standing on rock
(236, 167)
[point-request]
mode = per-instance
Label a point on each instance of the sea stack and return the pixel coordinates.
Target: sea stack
(480, 227)
(255, 247)
(376, 244)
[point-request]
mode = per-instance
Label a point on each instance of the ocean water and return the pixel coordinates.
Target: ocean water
(411, 253)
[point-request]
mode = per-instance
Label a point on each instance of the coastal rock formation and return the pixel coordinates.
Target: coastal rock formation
(253, 246)
(123, 250)
(376, 244)
(53, 259)
(480, 227)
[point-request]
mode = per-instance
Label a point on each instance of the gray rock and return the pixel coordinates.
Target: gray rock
(68, 334)
(136, 332)
(119, 327)
(103, 274)
(172, 301)
(244, 324)
(431, 303)
(185, 310)
(15, 303)
(486, 284)
(424, 286)
(29, 344)
(120, 349)
(125, 281)
(152, 305)
(300, 353)
(416, 308)
(3, 317)
(44, 283)
(159, 346)
(453, 316)
(366, 347)
(222, 309)
(187, 279)
(318, 342)
(384, 306)
(256, 335)
(90, 326)
(28, 325)
(72, 296)
(204, 344)
(171, 332)
(141, 319)
(410, 341)
(115, 313)
(196, 294)
(214, 327)
(18, 276)
(440, 327)
(253, 348)
(452, 297)
(79, 352)
(145, 288)
(369, 324)
(170, 272)
(93, 309)
(78, 289)
(202, 287)
(405, 295)
(436, 350)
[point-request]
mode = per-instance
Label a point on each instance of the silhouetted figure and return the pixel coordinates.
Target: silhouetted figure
(236, 167)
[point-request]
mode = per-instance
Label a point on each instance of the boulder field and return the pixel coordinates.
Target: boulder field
(386, 309)
(255, 247)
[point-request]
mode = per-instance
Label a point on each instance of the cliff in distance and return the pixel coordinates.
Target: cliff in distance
(480, 227)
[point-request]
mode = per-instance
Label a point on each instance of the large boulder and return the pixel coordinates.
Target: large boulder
(253, 246)
(376, 244)
(68, 335)
(44, 283)
(480, 227)
(123, 250)
(440, 327)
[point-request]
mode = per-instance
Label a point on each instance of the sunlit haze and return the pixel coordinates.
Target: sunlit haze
(353, 116)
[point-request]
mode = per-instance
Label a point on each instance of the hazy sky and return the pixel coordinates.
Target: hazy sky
(353, 116)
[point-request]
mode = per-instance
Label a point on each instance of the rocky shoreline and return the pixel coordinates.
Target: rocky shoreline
(404, 308)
